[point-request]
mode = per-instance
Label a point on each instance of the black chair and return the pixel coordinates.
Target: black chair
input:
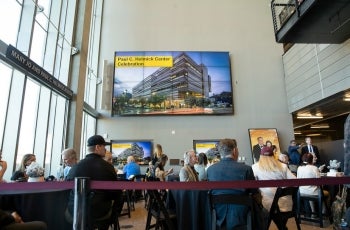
(138, 194)
(280, 218)
(306, 213)
(126, 197)
(238, 199)
(165, 219)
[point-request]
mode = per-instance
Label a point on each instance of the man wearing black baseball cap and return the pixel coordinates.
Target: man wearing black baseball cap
(96, 168)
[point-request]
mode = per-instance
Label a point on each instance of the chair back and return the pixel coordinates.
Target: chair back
(304, 199)
(237, 199)
(280, 218)
(158, 210)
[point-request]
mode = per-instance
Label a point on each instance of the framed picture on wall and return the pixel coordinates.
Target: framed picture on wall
(260, 137)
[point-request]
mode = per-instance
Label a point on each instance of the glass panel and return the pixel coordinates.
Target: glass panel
(10, 14)
(88, 130)
(28, 121)
(5, 73)
(38, 44)
(42, 12)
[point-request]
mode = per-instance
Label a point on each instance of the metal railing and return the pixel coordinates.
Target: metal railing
(282, 10)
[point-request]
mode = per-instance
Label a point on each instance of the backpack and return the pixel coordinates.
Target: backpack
(339, 207)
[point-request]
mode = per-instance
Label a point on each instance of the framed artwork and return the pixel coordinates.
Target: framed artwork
(261, 136)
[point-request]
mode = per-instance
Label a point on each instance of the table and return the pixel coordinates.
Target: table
(192, 208)
(47, 206)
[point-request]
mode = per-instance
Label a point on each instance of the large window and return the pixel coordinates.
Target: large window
(4, 96)
(33, 116)
(10, 15)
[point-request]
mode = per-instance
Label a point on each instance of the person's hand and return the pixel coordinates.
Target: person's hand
(17, 217)
(321, 168)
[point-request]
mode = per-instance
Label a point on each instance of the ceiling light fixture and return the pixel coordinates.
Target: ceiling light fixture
(310, 117)
(320, 126)
(297, 133)
(314, 134)
(346, 99)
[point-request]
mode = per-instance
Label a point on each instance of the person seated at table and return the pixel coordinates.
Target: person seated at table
(3, 168)
(268, 168)
(228, 169)
(20, 174)
(96, 168)
(283, 158)
(69, 157)
(13, 221)
(131, 169)
(201, 166)
(187, 172)
(309, 170)
(159, 171)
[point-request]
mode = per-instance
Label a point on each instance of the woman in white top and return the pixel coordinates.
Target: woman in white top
(268, 168)
(309, 170)
(201, 166)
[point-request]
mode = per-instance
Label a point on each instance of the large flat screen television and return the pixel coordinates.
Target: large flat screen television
(172, 83)
(209, 147)
(140, 149)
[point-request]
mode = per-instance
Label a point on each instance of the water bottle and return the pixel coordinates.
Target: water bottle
(343, 224)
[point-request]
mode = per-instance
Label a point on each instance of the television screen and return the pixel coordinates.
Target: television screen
(140, 149)
(209, 147)
(172, 83)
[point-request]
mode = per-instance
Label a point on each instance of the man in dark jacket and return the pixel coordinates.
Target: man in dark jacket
(96, 168)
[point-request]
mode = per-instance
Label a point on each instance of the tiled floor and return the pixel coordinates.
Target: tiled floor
(138, 221)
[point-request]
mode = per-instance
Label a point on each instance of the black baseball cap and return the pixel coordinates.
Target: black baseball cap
(97, 140)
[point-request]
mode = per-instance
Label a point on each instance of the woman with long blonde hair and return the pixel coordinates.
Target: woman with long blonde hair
(20, 174)
(268, 168)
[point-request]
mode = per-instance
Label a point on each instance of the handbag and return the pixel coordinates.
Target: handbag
(339, 206)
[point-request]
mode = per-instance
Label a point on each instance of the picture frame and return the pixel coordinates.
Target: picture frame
(267, 134)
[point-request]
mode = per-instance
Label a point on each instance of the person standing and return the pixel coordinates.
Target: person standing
(310, 148)
(188, 173)
(157, 154)
(96, 168)
(257, 149)
(294, 156)
(159, 172)
(228, 169)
